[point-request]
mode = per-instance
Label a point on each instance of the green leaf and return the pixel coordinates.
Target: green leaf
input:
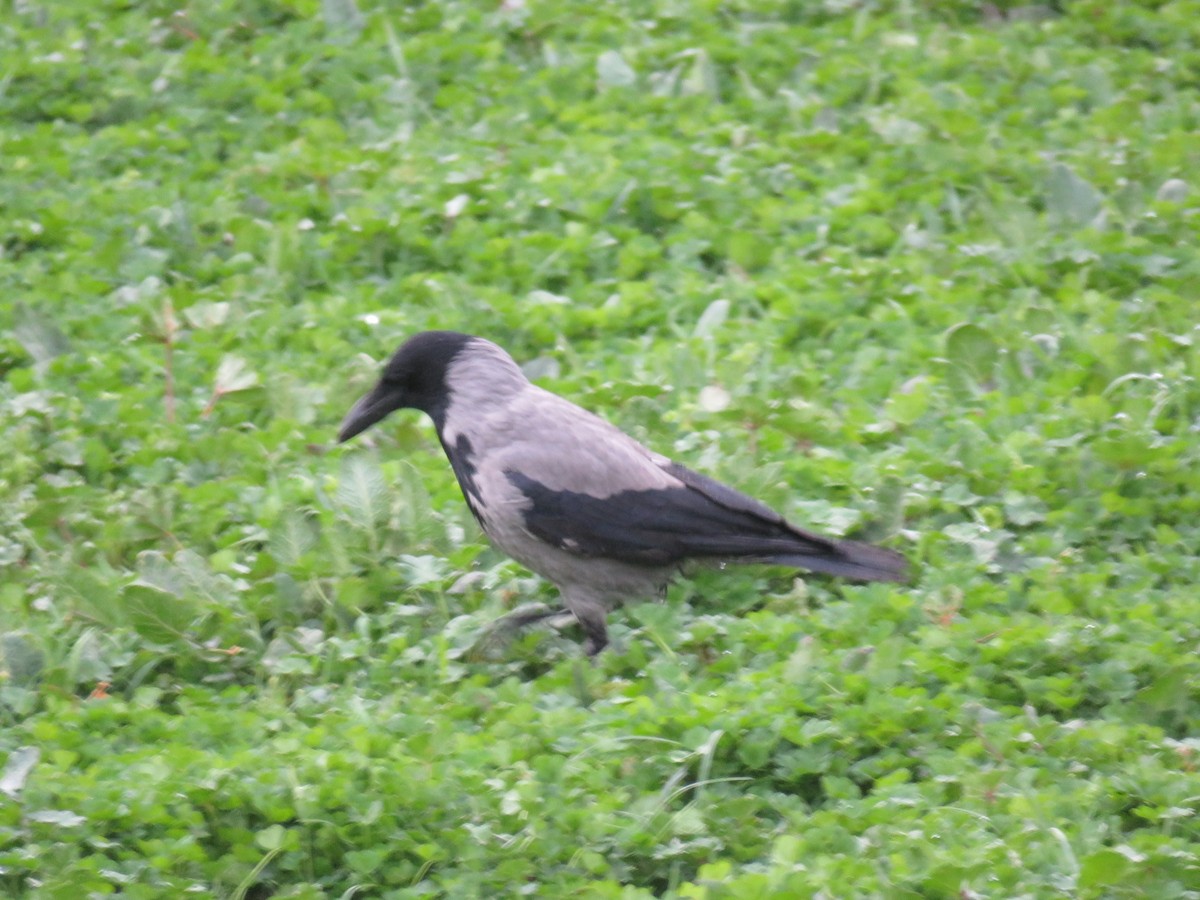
(87, 662)
(21, 660)
(234, 374)
(207, 315)
(157, 615)
(1173, 190)
(701, 79)
(1071, 200)
(60, 817)
(38, 334)
(613, 71)
(292, 537)
(971, 350)
(362, 493)
(711, 319)
(910, 401)
(1103, 869)
(343, 20)
(823, 514)
(367, 861)
(749, 250)
(17, 768)
(271, 837)
(1023, 510)
(984, 542)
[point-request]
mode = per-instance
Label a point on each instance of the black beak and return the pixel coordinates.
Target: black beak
(372, 407)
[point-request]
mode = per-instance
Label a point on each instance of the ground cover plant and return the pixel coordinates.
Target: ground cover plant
(922, 272)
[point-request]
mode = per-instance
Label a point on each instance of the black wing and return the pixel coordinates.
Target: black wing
(701, 518)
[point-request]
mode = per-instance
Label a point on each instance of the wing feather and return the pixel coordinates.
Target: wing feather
(586, 487)
(699, 518)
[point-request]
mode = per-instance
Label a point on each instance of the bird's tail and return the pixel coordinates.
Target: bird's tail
(847, 559)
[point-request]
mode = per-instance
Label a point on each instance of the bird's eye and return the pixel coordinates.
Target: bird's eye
(406, 382)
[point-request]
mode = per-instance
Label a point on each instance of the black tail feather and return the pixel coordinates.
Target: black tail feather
(848, 559)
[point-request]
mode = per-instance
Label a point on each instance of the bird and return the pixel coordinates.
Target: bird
(575, 499)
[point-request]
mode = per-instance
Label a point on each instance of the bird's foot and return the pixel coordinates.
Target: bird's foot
(500, 632)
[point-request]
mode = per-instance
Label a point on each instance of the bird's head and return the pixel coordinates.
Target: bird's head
(416, 377)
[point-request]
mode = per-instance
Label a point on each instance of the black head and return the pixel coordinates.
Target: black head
(414, 378)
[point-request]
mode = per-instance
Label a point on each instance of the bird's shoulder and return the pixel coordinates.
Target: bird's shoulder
(566, 448)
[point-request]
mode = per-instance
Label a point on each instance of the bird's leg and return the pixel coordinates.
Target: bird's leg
(502, 629)
(524, 616)
(591, 611)
(597, 636)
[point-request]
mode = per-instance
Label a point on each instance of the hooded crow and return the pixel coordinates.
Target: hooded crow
(577, 500)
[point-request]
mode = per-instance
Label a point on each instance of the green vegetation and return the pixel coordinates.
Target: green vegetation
(923, 272)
